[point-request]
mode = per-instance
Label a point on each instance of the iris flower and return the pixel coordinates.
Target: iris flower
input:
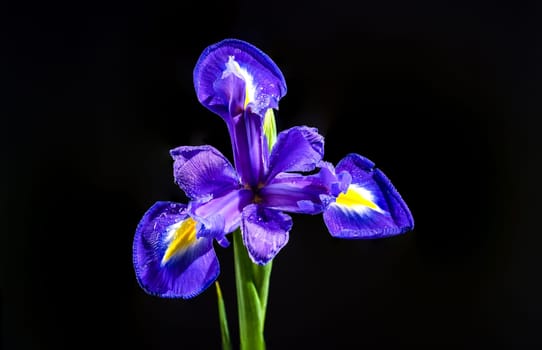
(173, 247)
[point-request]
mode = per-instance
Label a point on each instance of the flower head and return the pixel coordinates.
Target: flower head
(173, 245)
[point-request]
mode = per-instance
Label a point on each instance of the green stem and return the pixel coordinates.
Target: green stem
(252, 284)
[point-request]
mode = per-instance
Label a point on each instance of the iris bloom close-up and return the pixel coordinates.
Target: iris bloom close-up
(271, 175)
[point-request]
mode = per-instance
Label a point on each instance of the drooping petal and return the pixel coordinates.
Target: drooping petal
(169, 260)
(297, 193)
(233, 68)
(222, 214)
(203, 172)
(300, 149)
(265, 232)
(371, 206)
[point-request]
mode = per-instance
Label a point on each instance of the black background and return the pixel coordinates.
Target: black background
(442, 96)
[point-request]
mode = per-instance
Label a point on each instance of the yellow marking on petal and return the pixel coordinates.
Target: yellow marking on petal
(181, 236)
(357, 196)
(247, 99)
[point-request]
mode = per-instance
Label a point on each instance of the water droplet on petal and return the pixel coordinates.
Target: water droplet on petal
(263, 100)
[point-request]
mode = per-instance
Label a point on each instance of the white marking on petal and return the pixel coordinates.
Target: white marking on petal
(232, 67)
(171, 231)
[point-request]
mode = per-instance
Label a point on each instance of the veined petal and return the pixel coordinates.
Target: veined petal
(300, 148)
(370, 208)
(265, 232)
(221, 214)
(169, 260)
(263, 83)
(202, 171)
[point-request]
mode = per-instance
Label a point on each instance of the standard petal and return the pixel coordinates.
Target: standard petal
(300, 149)
(249, 147)
(221, 214)
(203, 172)
(370, 208)
(260, 81)
(169, 260)
(265, 232)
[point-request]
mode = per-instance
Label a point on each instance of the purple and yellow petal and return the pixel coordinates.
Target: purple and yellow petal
(233, 75)
(169, 259)
(202, 172)
(371, 207)
(299, 149)
(265, 232)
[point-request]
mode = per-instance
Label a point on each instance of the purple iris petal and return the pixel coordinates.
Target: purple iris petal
(222, 213)
(357, 166)
(265, 232)
(202, 171)
(266, 88)
(296, 193)
(184, 274)
(297, 149)
(230, 89)
(248, 147)
(372, 207)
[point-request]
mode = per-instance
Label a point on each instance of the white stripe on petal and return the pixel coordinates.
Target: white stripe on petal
(232, 67)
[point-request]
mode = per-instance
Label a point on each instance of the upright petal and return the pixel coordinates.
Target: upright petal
(370, 208)
(300, 148)
(249, 147)
(265, 232)
(203, 172)
(169, 260)
(233, 68)
(240, 83)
